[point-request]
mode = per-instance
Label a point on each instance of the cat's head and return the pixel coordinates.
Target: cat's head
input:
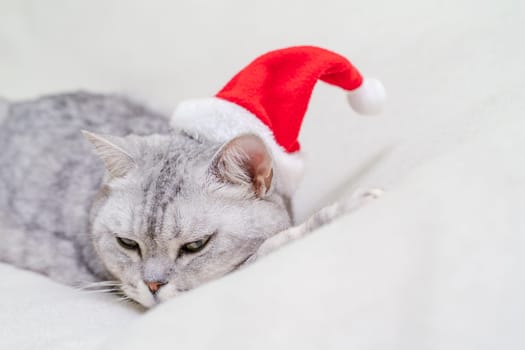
(174, 212)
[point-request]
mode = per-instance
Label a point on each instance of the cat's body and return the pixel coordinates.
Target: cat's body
(168, 213)
(62, 215)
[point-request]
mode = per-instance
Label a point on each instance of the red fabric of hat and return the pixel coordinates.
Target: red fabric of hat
(276, 87)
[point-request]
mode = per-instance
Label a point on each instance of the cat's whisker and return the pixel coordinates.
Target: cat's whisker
(125, 299)
(103, 287)
(100, 285)
(102, 291)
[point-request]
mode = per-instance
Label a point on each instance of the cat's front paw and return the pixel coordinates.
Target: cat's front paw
(361, 197)
(373, 193)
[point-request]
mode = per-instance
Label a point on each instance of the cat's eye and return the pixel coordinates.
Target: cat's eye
(195, 246)
(127, 243)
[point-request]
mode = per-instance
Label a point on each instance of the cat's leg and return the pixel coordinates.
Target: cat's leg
(320, 218)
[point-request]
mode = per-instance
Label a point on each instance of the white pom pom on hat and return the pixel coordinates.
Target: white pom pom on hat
(369, 98)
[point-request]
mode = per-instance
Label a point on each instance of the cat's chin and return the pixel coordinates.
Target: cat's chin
(148, 304)
(151, 302)
(145, 303)
(145, 298)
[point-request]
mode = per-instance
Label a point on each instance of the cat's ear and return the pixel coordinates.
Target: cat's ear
(111, 150)
(245, 160)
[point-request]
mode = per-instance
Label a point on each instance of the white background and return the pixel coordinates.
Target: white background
(437, 263)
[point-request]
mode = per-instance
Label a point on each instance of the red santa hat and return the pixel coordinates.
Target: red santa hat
(269, 97)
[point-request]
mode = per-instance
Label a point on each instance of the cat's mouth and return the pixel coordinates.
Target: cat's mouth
(145, 297)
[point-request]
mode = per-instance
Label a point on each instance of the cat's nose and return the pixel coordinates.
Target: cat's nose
(154, 286)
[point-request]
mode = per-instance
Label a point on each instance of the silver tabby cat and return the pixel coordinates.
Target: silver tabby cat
(154, 213)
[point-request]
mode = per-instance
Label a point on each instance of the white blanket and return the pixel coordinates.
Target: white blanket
(437, 263)
(36, 313)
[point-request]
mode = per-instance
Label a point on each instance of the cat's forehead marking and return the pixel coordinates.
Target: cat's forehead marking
(165, 186)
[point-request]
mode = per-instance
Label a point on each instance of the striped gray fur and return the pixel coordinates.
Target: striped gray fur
(61, 212)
